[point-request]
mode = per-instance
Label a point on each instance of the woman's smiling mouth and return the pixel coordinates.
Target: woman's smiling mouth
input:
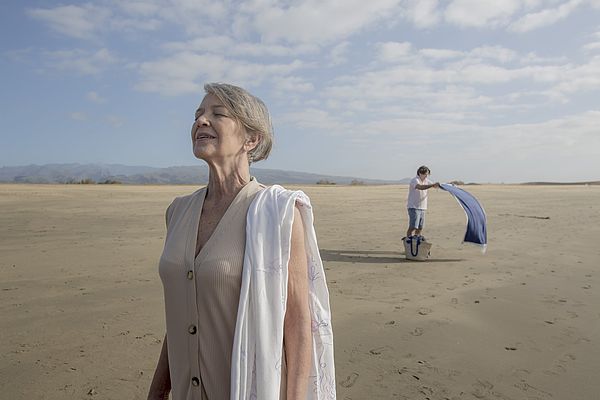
(204, 136)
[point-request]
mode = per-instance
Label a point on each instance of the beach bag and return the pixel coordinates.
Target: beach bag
(417, 248)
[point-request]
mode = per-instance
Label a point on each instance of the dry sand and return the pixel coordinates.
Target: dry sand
(82, 313)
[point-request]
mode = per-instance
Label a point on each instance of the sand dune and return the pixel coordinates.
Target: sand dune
(82, 313)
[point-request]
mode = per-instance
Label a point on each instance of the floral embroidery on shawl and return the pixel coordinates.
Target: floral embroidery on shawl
(258, 340)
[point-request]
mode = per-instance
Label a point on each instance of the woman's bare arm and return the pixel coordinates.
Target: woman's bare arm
(161, 382)
(297, 336)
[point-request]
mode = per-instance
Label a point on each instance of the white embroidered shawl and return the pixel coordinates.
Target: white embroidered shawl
(258, 340)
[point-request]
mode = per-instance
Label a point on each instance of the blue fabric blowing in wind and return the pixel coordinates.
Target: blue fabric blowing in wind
(476, 219)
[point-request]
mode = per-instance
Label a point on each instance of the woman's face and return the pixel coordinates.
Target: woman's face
(216, 135)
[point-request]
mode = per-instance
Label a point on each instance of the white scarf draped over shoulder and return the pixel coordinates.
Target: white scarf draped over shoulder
(258, 340)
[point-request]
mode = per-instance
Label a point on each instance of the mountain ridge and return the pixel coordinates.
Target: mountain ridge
(140, 174)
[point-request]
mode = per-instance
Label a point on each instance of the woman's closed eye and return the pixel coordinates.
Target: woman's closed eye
(217, 114)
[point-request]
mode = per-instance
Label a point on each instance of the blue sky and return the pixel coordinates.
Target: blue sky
(486, 91)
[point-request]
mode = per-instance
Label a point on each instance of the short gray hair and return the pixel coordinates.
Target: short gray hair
(250, 111)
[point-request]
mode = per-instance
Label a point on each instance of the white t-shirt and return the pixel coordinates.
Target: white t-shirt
(417, 198)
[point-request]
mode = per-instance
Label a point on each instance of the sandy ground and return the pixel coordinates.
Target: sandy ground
(82, 313)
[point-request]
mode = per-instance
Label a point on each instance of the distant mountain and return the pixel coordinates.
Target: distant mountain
(67, 173)
(563, 183)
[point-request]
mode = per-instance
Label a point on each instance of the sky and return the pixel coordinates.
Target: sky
(478, 90)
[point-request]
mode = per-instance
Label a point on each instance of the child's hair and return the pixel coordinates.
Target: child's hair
(423, 170)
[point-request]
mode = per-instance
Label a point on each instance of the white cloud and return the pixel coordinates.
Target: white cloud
(310, 22)
(486, 82)
(142, 8)
(81, 61)
(496, 150)
(213, 44)
(338, 53)
(76, 21)
(422, 13)
(292, 84)
(196, 17)
(579, 78)
(18, 55)
(179, 73)
(440, 54)
(590, 47)
(95, 97)
(494, 53)
(489, 14)
(184, 72)
(126, 24)
(316, 120)
(316, 22)
(594, 45)
(78, 116)
(478, 13)
(498, 53)
(533, 4)
(463, 72)
(363, 75)
(87, 21)
(393, 51)
(304, 21)
(532, 58)
(115, 121)
(570, 136)
(225, 45)
(545, 17)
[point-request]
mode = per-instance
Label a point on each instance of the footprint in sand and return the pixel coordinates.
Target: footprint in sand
(426, 391)
(468, 282)
(482, 389)
(417, 332)
(560, 365)
(350, 380)
(532, 390)
(377, 351)
(425, 311)
(572, 314)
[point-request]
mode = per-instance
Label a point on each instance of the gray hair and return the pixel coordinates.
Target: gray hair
(250, 111)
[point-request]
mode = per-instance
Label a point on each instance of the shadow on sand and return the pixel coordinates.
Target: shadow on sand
(375, 257)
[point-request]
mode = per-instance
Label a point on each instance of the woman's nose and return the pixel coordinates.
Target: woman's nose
(202, 121)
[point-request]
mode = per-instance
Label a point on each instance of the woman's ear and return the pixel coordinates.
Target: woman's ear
(252, 140)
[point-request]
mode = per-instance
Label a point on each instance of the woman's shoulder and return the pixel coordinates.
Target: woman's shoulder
(270, 194)
(181, 202)
(273, 189)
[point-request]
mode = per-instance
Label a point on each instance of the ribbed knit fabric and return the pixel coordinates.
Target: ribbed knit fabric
(202, 295)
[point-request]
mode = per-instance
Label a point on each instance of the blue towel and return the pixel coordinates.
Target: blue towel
(476, 219)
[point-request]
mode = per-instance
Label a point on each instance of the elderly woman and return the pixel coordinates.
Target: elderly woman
(246, 303)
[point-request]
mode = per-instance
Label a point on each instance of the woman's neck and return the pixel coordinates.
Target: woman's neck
(225, 181)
